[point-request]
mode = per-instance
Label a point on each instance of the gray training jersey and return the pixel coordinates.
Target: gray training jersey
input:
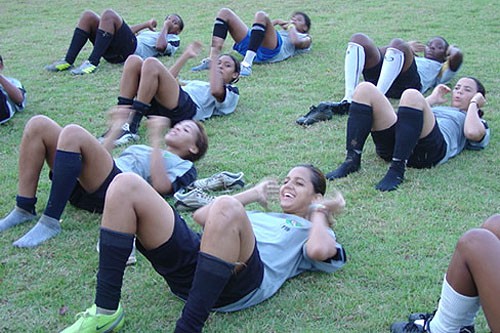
(146, 44)
(281, 240)
(137, 159)
(451, 124)
(208, 106)
(287, 48)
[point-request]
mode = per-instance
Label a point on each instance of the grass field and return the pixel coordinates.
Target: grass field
(398, 243)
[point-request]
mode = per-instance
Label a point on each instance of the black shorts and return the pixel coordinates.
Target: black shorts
(406, 80)
(176, 259)
(426, 154)
(4, 108)
(185, 110)
(123, 44)
(93, 202)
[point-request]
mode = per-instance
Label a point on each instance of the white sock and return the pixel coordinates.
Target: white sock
(353, 68)
(391, 67)
(454, 310)
(249, 57)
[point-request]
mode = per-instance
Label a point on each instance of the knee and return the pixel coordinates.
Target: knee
(411, 97)
(473, 241)
(108, 14)
(225, 212)
(225, 14)
(493, 224)
(397, 43)
(359, 38)
(38, 125)
(364, 89)
(151, 65)
(260, 16)
(122, 186)
(71, 135)
(133, 62)
(89, 16)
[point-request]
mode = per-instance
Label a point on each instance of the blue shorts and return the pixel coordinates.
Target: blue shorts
(263, 53)
(176, 259)
(93, 202)
(406, 80)
(185, 110)
(428, 152)
(122, 45)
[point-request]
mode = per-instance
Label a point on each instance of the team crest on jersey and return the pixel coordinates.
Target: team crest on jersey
(289, 224)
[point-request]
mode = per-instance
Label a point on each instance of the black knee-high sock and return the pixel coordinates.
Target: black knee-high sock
(79, 39)
(28, 204)
(210, 278)
(359, 125)
(125, 101)
(67, 168)
(102, 41)
(256, 36)
(140, 109)
(408, 130)
(114, 249)
(220, 28)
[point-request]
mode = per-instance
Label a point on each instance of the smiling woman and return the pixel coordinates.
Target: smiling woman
(242, 259)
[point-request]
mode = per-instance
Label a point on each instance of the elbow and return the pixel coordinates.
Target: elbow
(320, 253)
(474, 134)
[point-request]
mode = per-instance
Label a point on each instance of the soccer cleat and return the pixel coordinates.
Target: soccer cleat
(90, 322)
(246, 70)
(203, 66)
(315, 114)
(425, 316)
(192, 200)
(59, 66)
(126, 136)
(220, 181)
(85, 68)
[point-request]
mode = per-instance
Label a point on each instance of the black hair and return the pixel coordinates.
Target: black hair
(201, 143)
(181, 22)
(318, 179)
(446, 44)
(237, 66)
(306, 18)
(480, 89)
(1, 59)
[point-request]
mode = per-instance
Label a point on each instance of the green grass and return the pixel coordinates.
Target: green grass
(399, 243)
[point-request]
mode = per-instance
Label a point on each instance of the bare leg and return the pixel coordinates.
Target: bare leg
(414, 99)
(372, 53)
(110, 21)
(383, 112)
(474, 268)
(228, 233)
(129, 82)
(89, 22)
(158, 82)
(38, 144)
(236, 27)
(270, 40)
(134, 207)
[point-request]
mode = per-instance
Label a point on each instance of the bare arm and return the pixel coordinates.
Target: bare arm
(117, 116)
(298, 42)
(474, 128)
(151, 25)
(320, 244)
(192, 51)
(438, 95)
(454, 57)
(159, 177)
(260, 193)
(161, 42)
(217, 86)
(14, 93)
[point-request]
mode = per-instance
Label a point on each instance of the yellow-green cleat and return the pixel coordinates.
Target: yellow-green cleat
(90, 322)
(85, 68)
(59, 66)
